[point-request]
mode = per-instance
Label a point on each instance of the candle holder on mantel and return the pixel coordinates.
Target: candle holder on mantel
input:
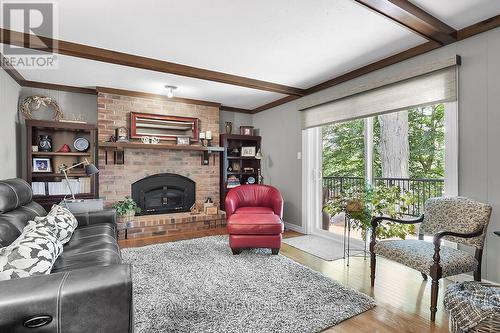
(206, 138)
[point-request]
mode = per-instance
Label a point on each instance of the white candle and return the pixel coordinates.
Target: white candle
(209, 135)
(202, 135)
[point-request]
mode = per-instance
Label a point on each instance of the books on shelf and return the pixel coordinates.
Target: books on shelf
(38, 188)
(78, 185)
(233, 182)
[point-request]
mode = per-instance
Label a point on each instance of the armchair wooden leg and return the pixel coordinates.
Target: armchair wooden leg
(434, 297)
(275, 251)
(424, 276)
(477, 272)
(373, 263)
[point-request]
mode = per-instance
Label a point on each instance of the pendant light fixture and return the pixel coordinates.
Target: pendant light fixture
(170, 91)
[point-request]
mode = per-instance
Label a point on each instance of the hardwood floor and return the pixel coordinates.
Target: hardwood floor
(403, 297)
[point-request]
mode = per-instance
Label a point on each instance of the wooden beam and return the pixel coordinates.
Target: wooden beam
(125, 59)
(414, 18)
(233, 109)
(9, 69)
(394, 59)
(139, 94)
(275, 103)
(472, 30)
(60, 87)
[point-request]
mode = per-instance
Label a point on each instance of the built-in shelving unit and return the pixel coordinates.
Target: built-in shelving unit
(61, 133)
(229, 160)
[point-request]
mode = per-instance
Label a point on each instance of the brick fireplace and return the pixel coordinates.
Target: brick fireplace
(115, 181)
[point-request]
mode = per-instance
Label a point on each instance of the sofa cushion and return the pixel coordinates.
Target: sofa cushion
(32, 253)
(254, 224)
(90, 245)
(13, 222)
(60, 220)
(97, 253)
(14, 193)
(254, 210)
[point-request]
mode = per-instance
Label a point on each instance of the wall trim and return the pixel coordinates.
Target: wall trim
(139, 94)
(294, 227)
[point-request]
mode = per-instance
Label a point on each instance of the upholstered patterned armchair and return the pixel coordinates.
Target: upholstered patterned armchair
(456, 219)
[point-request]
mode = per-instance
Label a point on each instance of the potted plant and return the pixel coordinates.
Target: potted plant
(126, 208)
(363, 205)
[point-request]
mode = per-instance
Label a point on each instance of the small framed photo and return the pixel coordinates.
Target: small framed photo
(247, 151)
(183, 140)
(41, 165)
(246, 130)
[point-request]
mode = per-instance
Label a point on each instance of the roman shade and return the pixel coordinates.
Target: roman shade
(433, 84)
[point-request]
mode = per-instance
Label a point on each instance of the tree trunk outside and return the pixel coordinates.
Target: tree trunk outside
(394, 145)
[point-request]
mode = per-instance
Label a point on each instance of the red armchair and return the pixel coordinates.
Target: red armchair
(254, 214)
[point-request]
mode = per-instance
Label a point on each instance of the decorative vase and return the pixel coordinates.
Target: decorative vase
(228, 127)
(45, 143)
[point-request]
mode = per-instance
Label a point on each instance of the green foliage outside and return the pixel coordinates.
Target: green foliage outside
(343, 145)
(343, 155)
(126, 207)
(363, 205)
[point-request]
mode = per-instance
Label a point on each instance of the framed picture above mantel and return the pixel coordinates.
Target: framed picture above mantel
(163, 127)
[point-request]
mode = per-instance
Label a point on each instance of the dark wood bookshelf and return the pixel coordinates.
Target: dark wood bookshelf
(229, 142)
(61, 133)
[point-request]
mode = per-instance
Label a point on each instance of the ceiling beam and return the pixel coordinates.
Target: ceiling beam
(472, 30)
(125, 59)
(414, 18)
(394, 59)
(140, 94)
(233, 109)
(59, 87)
(9, 69)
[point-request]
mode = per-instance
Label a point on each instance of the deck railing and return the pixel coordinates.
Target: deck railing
(422, 189)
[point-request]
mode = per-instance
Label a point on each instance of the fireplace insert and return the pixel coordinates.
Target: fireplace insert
(164, 193)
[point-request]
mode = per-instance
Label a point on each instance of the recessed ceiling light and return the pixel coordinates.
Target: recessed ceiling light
(170, 91)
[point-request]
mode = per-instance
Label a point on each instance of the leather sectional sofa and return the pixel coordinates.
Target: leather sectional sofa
(88, 290)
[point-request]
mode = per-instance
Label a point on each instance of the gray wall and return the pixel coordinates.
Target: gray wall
(237, 119)
(9, 150)
(479, 133)
(70, 103)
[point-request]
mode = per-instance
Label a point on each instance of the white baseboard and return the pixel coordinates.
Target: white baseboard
(294, 227)
(465, 277)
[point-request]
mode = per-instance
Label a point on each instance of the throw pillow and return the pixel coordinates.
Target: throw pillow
(60, 220)
(32, 253)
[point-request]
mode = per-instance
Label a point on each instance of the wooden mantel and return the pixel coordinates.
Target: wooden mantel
(140, 145)
(118, 156)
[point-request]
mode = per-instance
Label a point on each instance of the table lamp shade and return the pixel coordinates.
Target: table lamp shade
(90, 169)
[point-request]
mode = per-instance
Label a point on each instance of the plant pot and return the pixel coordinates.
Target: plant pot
(126, 217)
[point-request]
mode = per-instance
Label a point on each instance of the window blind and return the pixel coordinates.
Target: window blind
(436, 86)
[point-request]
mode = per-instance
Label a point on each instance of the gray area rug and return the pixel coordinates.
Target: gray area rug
(324, 248)
(199, 286)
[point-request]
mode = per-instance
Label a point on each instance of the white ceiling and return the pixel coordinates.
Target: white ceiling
(88, 73)
(460, 13)
(293, 42)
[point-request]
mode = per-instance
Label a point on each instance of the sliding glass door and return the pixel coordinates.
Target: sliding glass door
(401, 151)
